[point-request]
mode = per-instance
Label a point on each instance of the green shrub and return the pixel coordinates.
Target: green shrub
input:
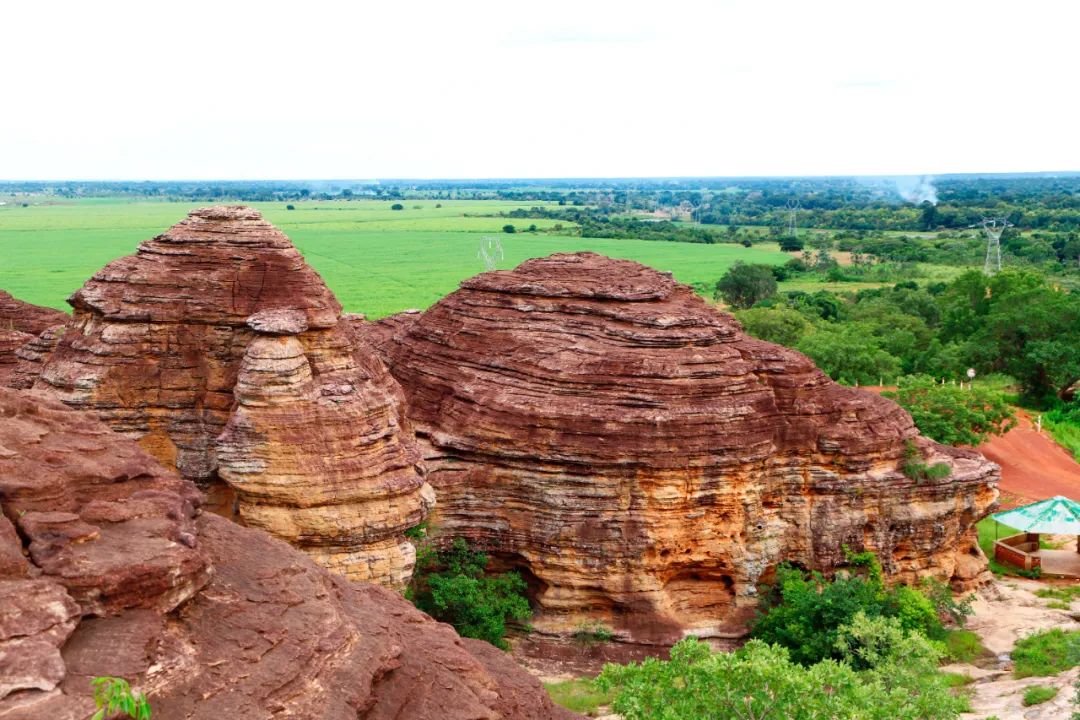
(1046, 653)
(914, 468)
(452, 586)
(804, 612)
(1038, 694)
(113, 696)
(899, 681)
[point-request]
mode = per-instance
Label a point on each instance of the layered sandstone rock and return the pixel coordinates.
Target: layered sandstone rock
(31, 357)
(10, 342)
(113, 536)
(174, 346)
(26, 317)
(646, 463)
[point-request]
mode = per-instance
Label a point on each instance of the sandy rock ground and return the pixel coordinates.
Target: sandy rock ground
(1006, 611)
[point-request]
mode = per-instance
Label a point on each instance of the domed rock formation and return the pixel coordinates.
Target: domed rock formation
(160, 340)
(26, 317)
(116, 542)
(647, 464)
(31, 357)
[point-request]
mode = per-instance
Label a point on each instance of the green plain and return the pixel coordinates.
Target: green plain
(378, 261)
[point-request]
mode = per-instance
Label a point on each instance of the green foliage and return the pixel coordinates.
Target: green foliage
(114, 695)
(953, 415)
(452, 586)
(849, 353)
(397, 206)
(1038, 694)
(913, 466)
(1063, 423)
(1062, 593)
(760, 681)
(804, 612)
(743, 285)
(963, 646)
(508, 228)
(1046, 653)
(780, 325)
(580, 695)
(946, 605)
(590, 634)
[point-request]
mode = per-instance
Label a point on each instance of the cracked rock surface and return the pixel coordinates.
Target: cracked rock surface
(107, 567)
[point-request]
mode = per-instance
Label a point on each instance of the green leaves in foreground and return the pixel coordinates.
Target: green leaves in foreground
(113, 695)
(761, 682)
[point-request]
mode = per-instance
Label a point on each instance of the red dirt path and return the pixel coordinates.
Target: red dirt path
(1033, 466)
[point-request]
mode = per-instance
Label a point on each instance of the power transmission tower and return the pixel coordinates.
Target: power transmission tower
(993, 227)
(491, 252)
(792, 225)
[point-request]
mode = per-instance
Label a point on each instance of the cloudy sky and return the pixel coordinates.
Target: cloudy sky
(516, 88)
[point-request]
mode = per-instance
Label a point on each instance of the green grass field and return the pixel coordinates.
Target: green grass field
(377, 260)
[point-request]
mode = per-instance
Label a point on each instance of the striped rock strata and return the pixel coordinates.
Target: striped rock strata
(110, 544)
(219, 329)
(646, 464)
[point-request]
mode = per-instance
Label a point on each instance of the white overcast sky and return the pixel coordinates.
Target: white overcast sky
(517, 88)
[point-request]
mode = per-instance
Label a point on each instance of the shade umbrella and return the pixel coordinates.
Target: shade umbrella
(1056, 516)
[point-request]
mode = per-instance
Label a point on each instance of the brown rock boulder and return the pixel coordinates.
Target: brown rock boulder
(175, 345)
(26, 317)
(270, 635)
(647, 464)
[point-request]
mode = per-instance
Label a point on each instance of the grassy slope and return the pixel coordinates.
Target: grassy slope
(376, 260)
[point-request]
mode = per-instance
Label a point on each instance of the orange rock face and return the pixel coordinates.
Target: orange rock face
(111, 543)
(178, 346)
(647, 464)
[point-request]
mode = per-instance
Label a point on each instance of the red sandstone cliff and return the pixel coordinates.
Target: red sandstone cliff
(115, 571)
(645, 463)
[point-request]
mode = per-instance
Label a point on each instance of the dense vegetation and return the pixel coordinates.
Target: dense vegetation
(1015, 322)
(453, 586)
(846, 648)
(951, 414)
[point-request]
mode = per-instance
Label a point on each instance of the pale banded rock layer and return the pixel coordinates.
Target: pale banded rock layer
(169, 346)
(262, 631)
(647, 464)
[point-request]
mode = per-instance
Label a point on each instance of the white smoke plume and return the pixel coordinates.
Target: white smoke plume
(917, 188)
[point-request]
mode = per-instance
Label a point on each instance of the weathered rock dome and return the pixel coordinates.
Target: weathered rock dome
(220, 350)
(646, 463)
(108, 567)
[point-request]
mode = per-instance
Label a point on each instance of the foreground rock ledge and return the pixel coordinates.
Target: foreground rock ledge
(645, 463)
(220, 350)
(124, 576)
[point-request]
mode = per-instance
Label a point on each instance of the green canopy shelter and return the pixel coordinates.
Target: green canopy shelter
(1056, 516)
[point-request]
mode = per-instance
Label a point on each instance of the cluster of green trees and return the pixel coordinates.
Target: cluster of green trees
(453, 585)
(1016, 323)
(604, 223)
(821, 650)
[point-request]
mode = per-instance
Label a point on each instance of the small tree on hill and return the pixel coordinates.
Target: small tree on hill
(743, 285)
